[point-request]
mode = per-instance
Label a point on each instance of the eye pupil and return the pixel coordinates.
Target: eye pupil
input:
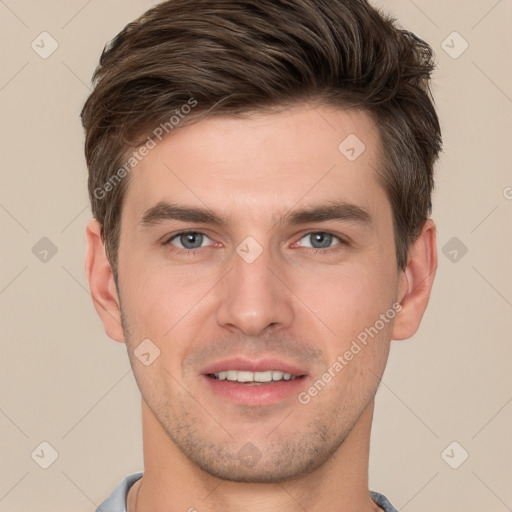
(190, 238)
(324, 239)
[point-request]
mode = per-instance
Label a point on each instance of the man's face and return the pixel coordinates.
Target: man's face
(267, 291)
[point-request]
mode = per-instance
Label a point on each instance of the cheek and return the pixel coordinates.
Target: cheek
(165, 305)
(351, 304)
(350, 298)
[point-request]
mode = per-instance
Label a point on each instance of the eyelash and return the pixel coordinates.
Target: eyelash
(193, 252)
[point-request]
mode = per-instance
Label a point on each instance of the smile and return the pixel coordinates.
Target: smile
(252, 377)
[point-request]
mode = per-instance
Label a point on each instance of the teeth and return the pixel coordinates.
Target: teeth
(244, 376)
(263, 376)
(276, 375)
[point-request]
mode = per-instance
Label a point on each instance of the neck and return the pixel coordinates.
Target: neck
(171, 482)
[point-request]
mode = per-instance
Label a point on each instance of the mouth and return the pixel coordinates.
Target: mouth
(254, 378)
(254, 383)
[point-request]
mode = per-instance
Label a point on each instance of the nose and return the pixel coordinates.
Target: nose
(254, 297)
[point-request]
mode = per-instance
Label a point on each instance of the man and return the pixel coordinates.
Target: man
(260, 174)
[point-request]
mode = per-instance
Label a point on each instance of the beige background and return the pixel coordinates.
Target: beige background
(64, 382)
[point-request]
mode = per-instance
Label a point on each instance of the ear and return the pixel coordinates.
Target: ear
(416, 283)
(102, 284)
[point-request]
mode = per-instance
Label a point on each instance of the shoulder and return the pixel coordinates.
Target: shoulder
(116, 502)
(382, 502)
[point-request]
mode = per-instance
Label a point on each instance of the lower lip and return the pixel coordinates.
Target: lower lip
(255, 394)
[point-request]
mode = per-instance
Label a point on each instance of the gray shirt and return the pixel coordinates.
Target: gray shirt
(116, 502)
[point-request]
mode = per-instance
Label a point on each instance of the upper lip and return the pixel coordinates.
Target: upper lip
(261, 365)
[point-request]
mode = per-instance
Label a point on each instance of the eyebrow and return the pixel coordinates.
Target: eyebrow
(164, 211)
(331, 210)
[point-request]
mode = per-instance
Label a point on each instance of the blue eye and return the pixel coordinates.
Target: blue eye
(321, 240)
(189, 240)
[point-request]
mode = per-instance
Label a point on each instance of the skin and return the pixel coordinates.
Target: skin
(291, 303)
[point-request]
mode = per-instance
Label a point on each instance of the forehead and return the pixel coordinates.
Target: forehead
(262, 164)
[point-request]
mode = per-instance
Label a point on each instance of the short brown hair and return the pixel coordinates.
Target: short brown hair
(233, 57)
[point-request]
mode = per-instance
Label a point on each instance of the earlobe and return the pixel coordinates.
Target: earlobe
(416, 283)
(102, 284)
